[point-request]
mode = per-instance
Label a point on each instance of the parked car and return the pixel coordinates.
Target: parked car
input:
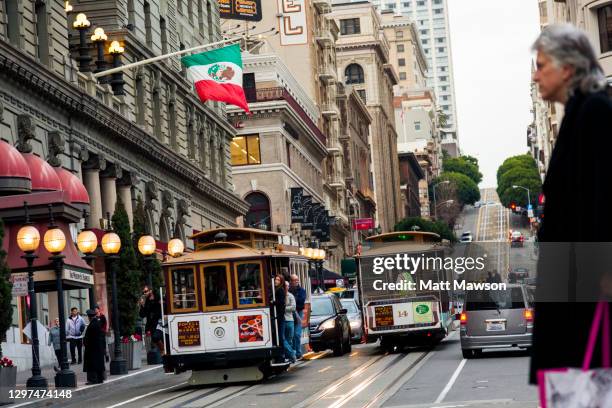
(518, 275)
(353, 312)
(517, 239)
(496, 319)
(466, 237)
(329, 325)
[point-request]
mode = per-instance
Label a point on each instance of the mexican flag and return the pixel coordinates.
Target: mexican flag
(217, 75)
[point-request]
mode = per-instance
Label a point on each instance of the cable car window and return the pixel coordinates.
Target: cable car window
(216, 287)
(183, 290)
(249, 284)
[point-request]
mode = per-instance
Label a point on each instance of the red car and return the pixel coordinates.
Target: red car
(517, 239)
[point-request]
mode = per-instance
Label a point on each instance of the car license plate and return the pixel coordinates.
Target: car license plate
(496, 326)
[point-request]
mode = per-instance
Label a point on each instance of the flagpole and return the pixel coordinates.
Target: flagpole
(163, 57)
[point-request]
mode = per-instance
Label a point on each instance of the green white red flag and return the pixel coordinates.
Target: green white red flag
(217, 75)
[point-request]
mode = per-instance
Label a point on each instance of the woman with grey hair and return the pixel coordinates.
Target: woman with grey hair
(577, 191)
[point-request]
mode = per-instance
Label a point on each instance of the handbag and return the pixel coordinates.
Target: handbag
(581, 388)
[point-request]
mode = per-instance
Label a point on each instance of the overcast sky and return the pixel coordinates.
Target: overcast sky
(491, 41)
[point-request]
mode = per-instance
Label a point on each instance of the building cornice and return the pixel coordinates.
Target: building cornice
(67, 96)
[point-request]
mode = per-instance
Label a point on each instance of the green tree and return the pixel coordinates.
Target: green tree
(129, 275)
(467, 189)
(464, 166)
(6, 309)
(438, 227)
(140, 229)
(523, 160)
(520, 171)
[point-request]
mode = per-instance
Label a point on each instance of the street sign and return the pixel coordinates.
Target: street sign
(20, 284)
(360, 224)
(529, 207)
(248, 10)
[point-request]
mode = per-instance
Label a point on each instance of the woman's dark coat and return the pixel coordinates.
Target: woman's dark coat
(94, 343)
(577, 219)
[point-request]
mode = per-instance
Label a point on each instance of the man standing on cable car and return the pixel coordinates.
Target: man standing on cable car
(300, 299)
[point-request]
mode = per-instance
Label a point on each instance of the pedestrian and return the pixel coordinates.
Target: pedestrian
(104, 327)
(150, 309)
(94, 350)
(299, 293)
(569, 73)
(280, 298)
(289, 326)
(75, 326)
(54, 340)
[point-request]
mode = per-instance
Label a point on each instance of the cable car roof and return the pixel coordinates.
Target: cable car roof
(215, 231)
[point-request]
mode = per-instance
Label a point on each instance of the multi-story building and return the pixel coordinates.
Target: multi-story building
(410, 176)
(150, 138)
(305, 42)
(431, 19)
(363, 61)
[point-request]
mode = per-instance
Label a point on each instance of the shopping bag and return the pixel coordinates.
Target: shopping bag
(581, 388)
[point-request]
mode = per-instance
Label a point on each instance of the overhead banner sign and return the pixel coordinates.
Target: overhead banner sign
(292, 28)
(309, 215)
(360, 224)
(247, 10)
(297, 208)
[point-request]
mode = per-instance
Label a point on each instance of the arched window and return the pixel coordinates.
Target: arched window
(354, 74)
(259, 212)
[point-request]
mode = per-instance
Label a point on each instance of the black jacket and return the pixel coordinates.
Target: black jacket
(94, 342)
(151, 310)
(279, 304)
(577, 213)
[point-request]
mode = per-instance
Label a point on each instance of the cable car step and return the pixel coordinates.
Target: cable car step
(281, 365)
(225, 375)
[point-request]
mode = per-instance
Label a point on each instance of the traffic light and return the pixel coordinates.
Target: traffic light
(513, 206)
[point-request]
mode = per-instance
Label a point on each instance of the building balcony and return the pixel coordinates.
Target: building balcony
(335, 181)
(324, 37)
(330, 110)
(334, 148)
(327, 73)
(323, 6)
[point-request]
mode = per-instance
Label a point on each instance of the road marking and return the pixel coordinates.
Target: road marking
(450, 382)
(316, 356)
(289, 387)
(146, 395)
(325, 369)
(353, 354)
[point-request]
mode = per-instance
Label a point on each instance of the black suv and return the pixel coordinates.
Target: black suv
(329, 325)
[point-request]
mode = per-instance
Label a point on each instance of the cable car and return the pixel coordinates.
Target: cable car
(219, 316)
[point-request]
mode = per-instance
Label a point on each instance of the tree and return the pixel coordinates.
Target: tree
(467, 189)
(438, 227)
(463, 166)
(520, 171)
(129, 275)
(523, 160)
(6, 309)
(140, 229)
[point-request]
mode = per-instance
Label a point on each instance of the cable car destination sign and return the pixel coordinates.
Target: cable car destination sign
(248, 10)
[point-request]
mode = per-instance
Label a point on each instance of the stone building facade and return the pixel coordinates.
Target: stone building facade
(363, 61)
(157, 142)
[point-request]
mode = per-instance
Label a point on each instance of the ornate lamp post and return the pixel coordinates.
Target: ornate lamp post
(146, 247)
(111, 244)
(175, 247)
(55, 242)
(28, 240)
(117, 81)
(87, 242)
(99, 38)
(82, 24)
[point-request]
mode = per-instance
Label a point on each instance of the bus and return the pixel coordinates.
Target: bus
(219, 317)
(401, 315)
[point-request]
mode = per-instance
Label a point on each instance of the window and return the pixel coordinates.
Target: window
(362, 94)
(402, 76)
(424, 41)
(423, 32)
(288, 148)
(148, 33)
(209, 20)
(350, 26)
(216, 286)
(249, 284)
(12, 21)
(442, 69)
(604, 16)
(443, 78)
(420, 3)
(164, 35)
(245, 150)
(42, 32)
(399, 34)
(406, 4)
(201, 17)
(354, 74)
(438, 11)
(400, 47)
(259, 212)
(183, 289)
(401, 62)
(440, 39)
(441, 49)
(140, 99)
(417, 125)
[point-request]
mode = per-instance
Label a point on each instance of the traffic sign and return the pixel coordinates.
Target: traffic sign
(529, 207)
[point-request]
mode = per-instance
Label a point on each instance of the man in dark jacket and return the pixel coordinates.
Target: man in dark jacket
(94, 342)
(299, 294)
(150, 309)
(572, 261)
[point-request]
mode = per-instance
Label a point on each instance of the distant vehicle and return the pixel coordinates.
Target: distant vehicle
(477, 204)
(491, 203)
(497, 319)
(329, 325)
(353, 312)
(518, 275)
(466, 237)
(517, 239)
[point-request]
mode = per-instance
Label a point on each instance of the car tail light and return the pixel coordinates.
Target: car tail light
(463, 318)
(528, 315)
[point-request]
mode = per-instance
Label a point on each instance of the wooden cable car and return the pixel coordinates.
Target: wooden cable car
(219, 315)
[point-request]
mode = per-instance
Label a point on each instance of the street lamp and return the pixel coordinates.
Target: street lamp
(117, 81)
(28, 240)
(434, 196)
(528, 196)
(82, 24)
(175, 247)
(146, 247)
(111, 244)
(87, 242)
(55, 242)
(99, 37)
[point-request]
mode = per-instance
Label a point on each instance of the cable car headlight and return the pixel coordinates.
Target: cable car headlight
(328, 324)
(355, 323)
